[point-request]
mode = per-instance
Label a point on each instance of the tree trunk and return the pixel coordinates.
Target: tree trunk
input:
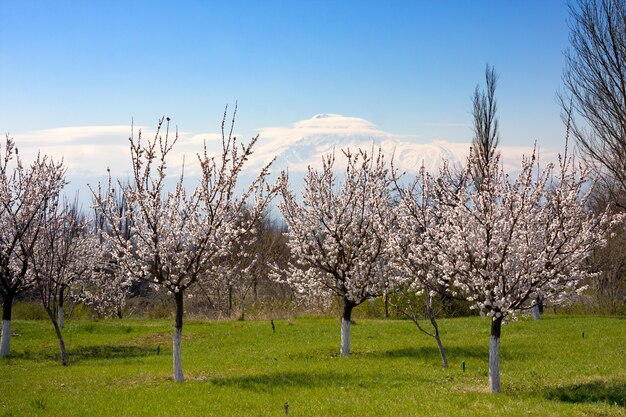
(442, 352)
(242, 299)
(5, 342)
(61, 314)
(61, 317)
(230, 300)
(386, 303)
(57, 329)
(178, 336)
(494, 354)
(345, 327)
(536, 313)
(537, 309)
(433, 321)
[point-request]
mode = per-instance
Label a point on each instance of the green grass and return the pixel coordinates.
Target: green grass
(243, 369)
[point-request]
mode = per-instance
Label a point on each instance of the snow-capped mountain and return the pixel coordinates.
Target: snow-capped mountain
(309, 140)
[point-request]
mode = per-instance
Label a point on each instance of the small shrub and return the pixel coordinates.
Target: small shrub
(80, 311)
(38, 403)
(29, 310)
(159, 312)
(88, 328)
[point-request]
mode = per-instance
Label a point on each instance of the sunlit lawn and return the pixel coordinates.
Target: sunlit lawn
(243, 369)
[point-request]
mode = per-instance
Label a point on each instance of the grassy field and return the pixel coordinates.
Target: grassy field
(243, 369)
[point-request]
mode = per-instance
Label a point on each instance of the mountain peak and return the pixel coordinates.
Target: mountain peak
(326, 116)
(306, 141)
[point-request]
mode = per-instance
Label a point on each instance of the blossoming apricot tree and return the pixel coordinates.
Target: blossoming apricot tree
(176, 235)
(501, 242)
(25, 193)
(64, 254)
(335, 235)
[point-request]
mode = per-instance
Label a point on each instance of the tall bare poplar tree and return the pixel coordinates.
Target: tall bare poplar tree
(594, 100)
(486, 134)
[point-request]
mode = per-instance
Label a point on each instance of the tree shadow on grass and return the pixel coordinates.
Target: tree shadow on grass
(87, 352)
(110, 352)
(613, 392)
(432, 353)
(267, 382)
(452, 352)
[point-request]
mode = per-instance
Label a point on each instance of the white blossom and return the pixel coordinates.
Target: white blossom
(336, 236)
(501, 242)
(175, 236)
(25, 193)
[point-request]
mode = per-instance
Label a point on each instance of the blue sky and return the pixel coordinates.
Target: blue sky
(408, 67)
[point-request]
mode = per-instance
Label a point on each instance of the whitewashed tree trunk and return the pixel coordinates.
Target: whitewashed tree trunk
(61, 319)
(345, 337)
(5, 344)
(494, 355)
(536, 312)
(178, 363)
(537, 308)
(5, 339)
(178, 338)
(345, 327)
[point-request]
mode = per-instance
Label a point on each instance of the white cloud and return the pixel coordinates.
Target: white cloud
(324, 125)
(86, 150)
(65, 135)
(89, 150)
(201, 138)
